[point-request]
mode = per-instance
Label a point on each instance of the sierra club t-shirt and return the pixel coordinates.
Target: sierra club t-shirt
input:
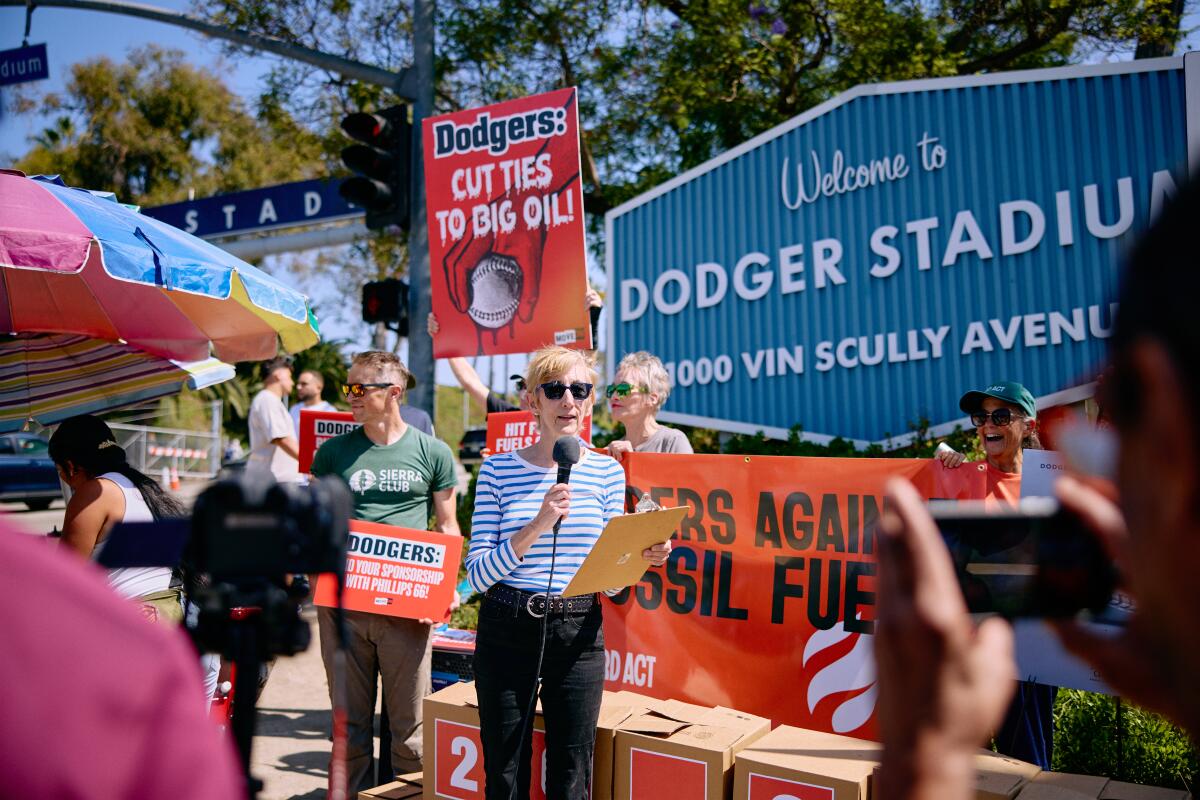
(392, 484)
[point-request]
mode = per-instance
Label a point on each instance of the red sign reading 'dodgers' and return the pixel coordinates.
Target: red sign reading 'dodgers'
(398, 572)
(318, 427)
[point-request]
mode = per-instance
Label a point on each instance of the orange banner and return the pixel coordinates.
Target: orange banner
(767, 601)
(397, 572)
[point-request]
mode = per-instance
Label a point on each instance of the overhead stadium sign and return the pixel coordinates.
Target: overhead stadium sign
(857, 268)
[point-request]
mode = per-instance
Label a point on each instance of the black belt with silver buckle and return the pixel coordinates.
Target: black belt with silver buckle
(538, 604)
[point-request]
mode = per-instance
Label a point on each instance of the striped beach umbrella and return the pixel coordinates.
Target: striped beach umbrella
(50, 377)
(75, 261)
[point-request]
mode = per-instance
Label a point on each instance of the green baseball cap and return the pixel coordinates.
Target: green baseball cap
(1008, 391)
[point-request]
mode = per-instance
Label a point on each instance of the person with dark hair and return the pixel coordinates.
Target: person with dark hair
(106, 490)
(943, 681)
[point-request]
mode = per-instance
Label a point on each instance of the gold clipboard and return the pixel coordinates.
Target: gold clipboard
(616, 559)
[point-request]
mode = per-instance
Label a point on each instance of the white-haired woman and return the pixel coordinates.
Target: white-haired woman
(636, 395)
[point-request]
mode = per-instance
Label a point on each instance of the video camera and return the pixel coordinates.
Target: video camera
(244, 557)
(247, 536)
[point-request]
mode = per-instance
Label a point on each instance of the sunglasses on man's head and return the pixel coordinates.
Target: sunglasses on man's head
(554, 390)
(624, 389)
(1000, 417)
(360, 389)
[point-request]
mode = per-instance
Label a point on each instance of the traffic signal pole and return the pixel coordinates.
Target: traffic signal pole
(403, 83)
(420, 303)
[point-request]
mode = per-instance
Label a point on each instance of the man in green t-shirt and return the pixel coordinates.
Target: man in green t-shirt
(398, 476)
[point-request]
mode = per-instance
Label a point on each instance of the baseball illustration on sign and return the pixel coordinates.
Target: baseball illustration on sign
(506, 234)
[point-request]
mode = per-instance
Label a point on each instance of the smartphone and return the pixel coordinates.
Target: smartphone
(1034, 560)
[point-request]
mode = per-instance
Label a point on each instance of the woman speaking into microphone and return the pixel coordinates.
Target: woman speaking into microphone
(530, 532)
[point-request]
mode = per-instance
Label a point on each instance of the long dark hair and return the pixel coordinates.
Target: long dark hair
(89, 444)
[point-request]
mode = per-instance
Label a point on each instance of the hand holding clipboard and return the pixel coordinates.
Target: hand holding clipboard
(616, 559)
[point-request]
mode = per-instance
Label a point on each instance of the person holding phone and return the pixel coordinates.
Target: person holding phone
(529, 635)
(636, 395)
(943, 681)
(1005, 418)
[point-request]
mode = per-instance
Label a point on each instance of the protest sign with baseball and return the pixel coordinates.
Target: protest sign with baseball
(506, 235)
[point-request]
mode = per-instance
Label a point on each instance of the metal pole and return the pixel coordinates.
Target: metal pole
(420, 346)
(400, 83)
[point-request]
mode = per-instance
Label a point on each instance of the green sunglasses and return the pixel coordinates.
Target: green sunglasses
(624, 389)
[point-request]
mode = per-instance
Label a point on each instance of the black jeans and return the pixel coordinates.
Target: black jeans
(506, 651)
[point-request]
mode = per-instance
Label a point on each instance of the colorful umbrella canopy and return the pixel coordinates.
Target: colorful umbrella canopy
(49, 377)
(76, 261)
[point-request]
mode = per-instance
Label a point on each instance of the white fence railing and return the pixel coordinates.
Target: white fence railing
(193, 454)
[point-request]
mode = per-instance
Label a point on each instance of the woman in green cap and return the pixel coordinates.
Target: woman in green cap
(1005, 418)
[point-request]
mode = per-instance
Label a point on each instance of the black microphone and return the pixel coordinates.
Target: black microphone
(566, 455)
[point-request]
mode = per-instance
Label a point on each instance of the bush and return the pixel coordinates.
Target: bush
(1095, 734)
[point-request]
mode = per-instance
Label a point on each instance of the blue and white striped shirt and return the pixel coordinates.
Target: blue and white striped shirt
(509, 493)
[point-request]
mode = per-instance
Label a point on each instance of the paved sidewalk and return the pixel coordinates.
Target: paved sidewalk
(291, 747)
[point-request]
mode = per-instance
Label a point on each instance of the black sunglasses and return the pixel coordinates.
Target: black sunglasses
(360, 389)
(554, 390)
(1000, 417)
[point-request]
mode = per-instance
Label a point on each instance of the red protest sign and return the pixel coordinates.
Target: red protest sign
(506, 236)
(318, 427)
(397, 572)
(513, 430)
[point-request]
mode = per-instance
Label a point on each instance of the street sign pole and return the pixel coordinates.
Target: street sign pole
(420, 303)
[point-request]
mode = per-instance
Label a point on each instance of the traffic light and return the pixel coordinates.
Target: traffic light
(382, 161)
(387, 302)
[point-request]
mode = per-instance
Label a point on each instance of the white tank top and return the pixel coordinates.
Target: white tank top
(134, 582)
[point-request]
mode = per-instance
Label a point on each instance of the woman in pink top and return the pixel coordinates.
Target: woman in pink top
(1005, 418)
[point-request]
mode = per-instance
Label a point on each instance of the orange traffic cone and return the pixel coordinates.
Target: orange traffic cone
(174, 479)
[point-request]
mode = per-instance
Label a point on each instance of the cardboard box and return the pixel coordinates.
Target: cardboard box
(454, 755)
(1063, 786)
(800, 763)
(999, 777)
(1119, 790)
(681, 751)
(615, 708)
(404, 787)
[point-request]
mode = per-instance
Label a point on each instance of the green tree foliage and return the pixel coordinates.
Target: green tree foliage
(154, 127)
(667, 84)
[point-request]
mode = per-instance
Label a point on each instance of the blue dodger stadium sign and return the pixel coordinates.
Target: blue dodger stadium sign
(859, 267)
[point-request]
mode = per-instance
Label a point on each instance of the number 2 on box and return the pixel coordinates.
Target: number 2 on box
(462, 746)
